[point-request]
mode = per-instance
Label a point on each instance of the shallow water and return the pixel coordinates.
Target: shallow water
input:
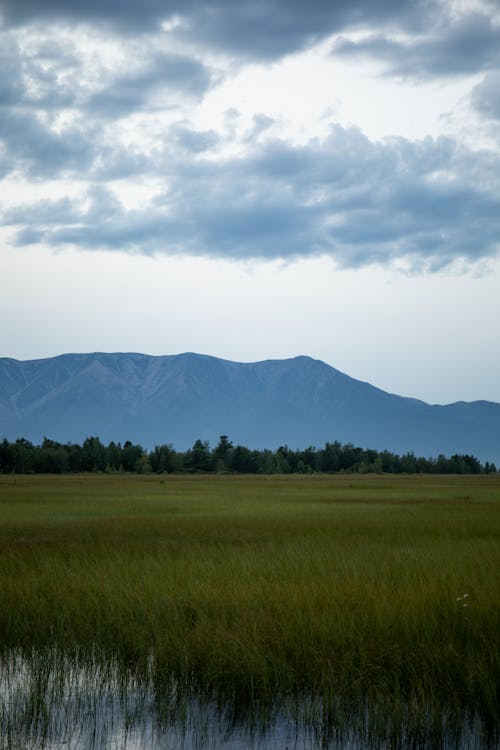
(48, 703)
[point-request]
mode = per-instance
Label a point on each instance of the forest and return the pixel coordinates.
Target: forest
(51, 457)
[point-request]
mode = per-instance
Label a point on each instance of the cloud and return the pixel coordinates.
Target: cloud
(45, 212)
(124, 14)
(45, 75)
(486, 96)
(359, 202)
(162, 73)
(262, 29)
(468, 44)
(59, 102)
(56, 70)
(193, 141)
(11, 79)
(265, 30)
(32, 146)
(67, 104)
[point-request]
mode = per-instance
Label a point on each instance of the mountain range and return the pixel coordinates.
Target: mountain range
(180, 398)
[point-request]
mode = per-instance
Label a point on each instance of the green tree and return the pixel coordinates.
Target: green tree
(164, 458)
(23, 456)
(130, 455)
(113, 456)
(199, 458)
(223, 453)
(93, 455)
(6, 457)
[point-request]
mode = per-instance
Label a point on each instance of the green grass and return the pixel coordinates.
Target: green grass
(344, 588)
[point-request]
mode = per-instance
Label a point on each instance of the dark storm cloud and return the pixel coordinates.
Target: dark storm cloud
(251, 28)
(468, 45)
(355, 200)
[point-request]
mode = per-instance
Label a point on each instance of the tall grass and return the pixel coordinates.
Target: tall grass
(374, 598)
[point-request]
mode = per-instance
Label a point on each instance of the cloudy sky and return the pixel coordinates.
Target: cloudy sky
(256, 179)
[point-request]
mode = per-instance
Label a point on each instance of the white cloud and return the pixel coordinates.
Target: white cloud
(306, 92)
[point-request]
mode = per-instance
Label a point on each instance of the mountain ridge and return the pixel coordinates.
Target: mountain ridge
(179, 398)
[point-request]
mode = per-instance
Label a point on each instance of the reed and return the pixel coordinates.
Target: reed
(374, 598)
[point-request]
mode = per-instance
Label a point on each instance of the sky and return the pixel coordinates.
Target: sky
(256, 179)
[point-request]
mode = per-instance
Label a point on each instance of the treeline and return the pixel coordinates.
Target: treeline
(51, 457)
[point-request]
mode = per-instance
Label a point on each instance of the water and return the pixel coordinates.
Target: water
(49, 703)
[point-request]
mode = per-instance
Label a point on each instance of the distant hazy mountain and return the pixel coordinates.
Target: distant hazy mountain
(180, 398)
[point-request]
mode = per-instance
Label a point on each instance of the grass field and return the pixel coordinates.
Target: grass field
(376, 596)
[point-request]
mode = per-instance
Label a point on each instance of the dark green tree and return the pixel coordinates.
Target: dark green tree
(223, 454)
(199, 458)
(93, 455)
(131, 454)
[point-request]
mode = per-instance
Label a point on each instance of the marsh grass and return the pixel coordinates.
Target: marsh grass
(368, 603)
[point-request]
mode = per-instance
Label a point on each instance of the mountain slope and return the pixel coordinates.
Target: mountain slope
(179, 398)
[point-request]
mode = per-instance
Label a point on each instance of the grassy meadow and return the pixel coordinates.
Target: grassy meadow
(375, 597)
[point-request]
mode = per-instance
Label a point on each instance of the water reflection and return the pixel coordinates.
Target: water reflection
(50, 703)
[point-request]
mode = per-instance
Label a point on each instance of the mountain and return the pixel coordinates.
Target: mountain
(179, 398)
